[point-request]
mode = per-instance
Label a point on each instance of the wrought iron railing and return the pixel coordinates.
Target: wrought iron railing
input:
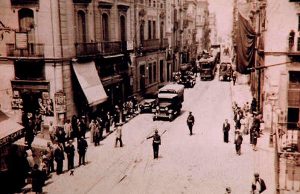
(287, 157)
(164, 43)
(32, 50)
(151, 44)
(99, 48)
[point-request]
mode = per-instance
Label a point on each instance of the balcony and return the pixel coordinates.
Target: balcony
(32, 50)
(164, 43)
(99, 48)
(109, 48)
(13, 2)
(82, 1)
(152, 44)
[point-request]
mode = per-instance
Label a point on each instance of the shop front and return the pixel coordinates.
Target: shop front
(91, 96)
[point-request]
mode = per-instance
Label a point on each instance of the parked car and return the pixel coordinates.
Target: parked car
(149, 103)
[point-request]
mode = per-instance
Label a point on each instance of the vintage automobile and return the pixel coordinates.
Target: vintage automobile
(149, 103)
(186, 76)
(208, 66)
(225, 71)
(170, 98)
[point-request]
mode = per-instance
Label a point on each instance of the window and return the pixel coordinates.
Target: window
(149, 30)
(298, 44)
(142, 26)
(154, 72)
(161, 5)
(150, 73)
(29, 71)
(81, 27)
(298, 22)
(149, 2)
(141, 1)
(154, 29)
(154, 3)
(105, 27)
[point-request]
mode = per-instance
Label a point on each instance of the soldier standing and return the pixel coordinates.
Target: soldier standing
(190, 122)
(156, 143)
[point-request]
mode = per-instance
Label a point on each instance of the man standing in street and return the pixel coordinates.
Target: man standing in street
(190, 122)
(70, 151)
(119, 134)
(226, 128)
(81, 148)
(259, 183)
(49, 155)
(59, 158)
(238, 142)
(156, 143)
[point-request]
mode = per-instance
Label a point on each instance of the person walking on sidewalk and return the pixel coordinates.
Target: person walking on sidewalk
(254, 140)
(259, 183)
(119, 134)
(70, 151)
(226, 128)
(238, 142)
(234, 76)
(82, 148)
(156, 143)
(190, 122)
(92, 130)
(37, 179)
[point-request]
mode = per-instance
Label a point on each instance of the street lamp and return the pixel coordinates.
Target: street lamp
(271, 141)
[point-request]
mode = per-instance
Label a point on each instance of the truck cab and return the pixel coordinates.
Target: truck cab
(170, 98)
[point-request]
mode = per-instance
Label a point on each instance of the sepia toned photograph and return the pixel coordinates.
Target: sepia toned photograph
(149, 96)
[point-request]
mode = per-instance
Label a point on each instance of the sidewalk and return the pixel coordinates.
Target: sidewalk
(263, 158)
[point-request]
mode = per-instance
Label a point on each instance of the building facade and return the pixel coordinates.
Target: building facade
(202, 25)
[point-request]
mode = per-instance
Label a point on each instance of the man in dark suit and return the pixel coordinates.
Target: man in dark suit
(259, 183)
(82, 147)
(190, 122)
(226, 128)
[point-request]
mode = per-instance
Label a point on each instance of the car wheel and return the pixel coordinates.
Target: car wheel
(170, 117)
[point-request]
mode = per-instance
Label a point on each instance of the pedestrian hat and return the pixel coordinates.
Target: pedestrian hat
(256, 174)
(156, 131)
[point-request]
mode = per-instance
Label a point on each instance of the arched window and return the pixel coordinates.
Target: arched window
(81, 27)
(105, 27)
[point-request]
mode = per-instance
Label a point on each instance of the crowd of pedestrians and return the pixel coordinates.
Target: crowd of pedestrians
(247, 122)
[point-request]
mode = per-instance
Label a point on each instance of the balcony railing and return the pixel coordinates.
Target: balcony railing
(110, 47)
(164, 43)
(32, 50)
(86, 49)
(152, 44)
(287, 157)
(99, 48)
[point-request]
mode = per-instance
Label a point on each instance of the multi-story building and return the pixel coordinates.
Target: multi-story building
(202, 25)
(149, 67)
(64, 58)
(213, 28)
(189, 45)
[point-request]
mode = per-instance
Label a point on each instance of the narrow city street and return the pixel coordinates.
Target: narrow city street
(200, 163)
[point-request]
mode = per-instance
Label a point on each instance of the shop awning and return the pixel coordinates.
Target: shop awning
(9, 129)
(90, 82)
